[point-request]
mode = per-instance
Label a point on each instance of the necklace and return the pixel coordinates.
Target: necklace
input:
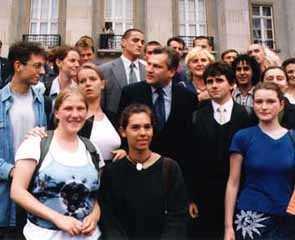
(139, 165)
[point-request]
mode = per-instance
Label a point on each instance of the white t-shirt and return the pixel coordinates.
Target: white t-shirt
(105, 137)
(79, 157)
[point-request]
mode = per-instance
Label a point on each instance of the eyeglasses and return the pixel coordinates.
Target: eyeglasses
(37, 66)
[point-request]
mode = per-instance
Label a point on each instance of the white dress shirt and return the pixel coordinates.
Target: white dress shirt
(222, 113)
(126, 63)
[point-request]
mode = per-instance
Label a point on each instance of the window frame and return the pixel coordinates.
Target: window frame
(263, 40)
(121, 20)
(187, 23)
(39, 20)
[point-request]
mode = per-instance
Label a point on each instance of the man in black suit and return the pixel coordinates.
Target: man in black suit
(172, 104)
(214, 124)
(3, 69)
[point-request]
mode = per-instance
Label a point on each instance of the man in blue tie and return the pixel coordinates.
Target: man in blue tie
(172, 104)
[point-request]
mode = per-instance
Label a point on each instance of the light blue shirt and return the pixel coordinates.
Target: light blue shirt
(167, 98)
(7, 207)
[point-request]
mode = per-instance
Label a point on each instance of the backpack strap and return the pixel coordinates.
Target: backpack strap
(167, 170)
(92, 150)
(44, 148)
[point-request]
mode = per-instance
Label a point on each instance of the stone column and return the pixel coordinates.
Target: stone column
(289, 16)
(233, 24)
(158, 20)
(5, 20)
(78, 19)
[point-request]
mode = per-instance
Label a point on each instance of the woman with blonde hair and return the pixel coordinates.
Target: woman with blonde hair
(62, 200)
(197, 60)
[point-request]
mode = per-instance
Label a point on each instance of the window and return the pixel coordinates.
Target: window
(262, 22)
(44, 17)
(192, 17)
(120, 14)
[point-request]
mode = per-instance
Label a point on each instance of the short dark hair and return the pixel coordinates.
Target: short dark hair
(176, 39)
(61, 53)
(218, 69)
(254, 65)
(203, 37)
(287, 62)
(127, 33)
(228, 51)
(151, 43)
(269, 86)
(133, 109)
(22, 51)
(270, 68)
(173, 57)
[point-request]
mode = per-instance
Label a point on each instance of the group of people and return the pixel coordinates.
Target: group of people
(146, 148)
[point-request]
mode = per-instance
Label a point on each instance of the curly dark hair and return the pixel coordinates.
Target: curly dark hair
(254, 65)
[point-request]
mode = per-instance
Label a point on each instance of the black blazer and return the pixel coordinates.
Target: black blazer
(171, 141)
(85, 131)
(210, 153)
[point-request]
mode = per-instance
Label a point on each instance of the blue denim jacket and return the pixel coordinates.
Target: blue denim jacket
(7, 208)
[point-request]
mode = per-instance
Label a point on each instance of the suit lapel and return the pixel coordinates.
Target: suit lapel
(119, 72)
(142, 71)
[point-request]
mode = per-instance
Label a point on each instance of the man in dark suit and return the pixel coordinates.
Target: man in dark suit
(172, 104)
(4, 73)
(214, 124)
(123, 70)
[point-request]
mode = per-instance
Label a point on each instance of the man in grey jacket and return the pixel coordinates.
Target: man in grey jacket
(124, 70)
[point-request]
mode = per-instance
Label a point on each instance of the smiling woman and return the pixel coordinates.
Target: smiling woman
(155, 204)
(61, 203)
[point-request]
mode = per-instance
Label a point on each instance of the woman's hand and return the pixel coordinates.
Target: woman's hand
(68, 224)
(229, 233)
(193, 210)
(204, 95)
(90, 222)
(119, 154)
(36, 132)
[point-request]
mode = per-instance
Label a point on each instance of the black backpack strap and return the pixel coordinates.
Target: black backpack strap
(167, 170)
(44, 148)
(92, 150)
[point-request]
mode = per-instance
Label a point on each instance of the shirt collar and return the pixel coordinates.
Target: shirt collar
(127, 62)
(228, 106)
(55, 89)
(7, 93)
(237, 92)
(167, 89)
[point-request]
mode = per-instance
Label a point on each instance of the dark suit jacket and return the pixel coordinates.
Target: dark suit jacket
(207, 170)
(172, 140)
(116, 78)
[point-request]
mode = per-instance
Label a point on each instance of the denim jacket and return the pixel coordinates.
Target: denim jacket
(7, 208)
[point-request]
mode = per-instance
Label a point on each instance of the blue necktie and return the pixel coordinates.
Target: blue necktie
(160, 108)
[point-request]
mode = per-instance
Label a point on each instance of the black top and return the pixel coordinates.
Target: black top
(135, 202)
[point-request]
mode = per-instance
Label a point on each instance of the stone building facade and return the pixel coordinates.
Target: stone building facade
(231, 23)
